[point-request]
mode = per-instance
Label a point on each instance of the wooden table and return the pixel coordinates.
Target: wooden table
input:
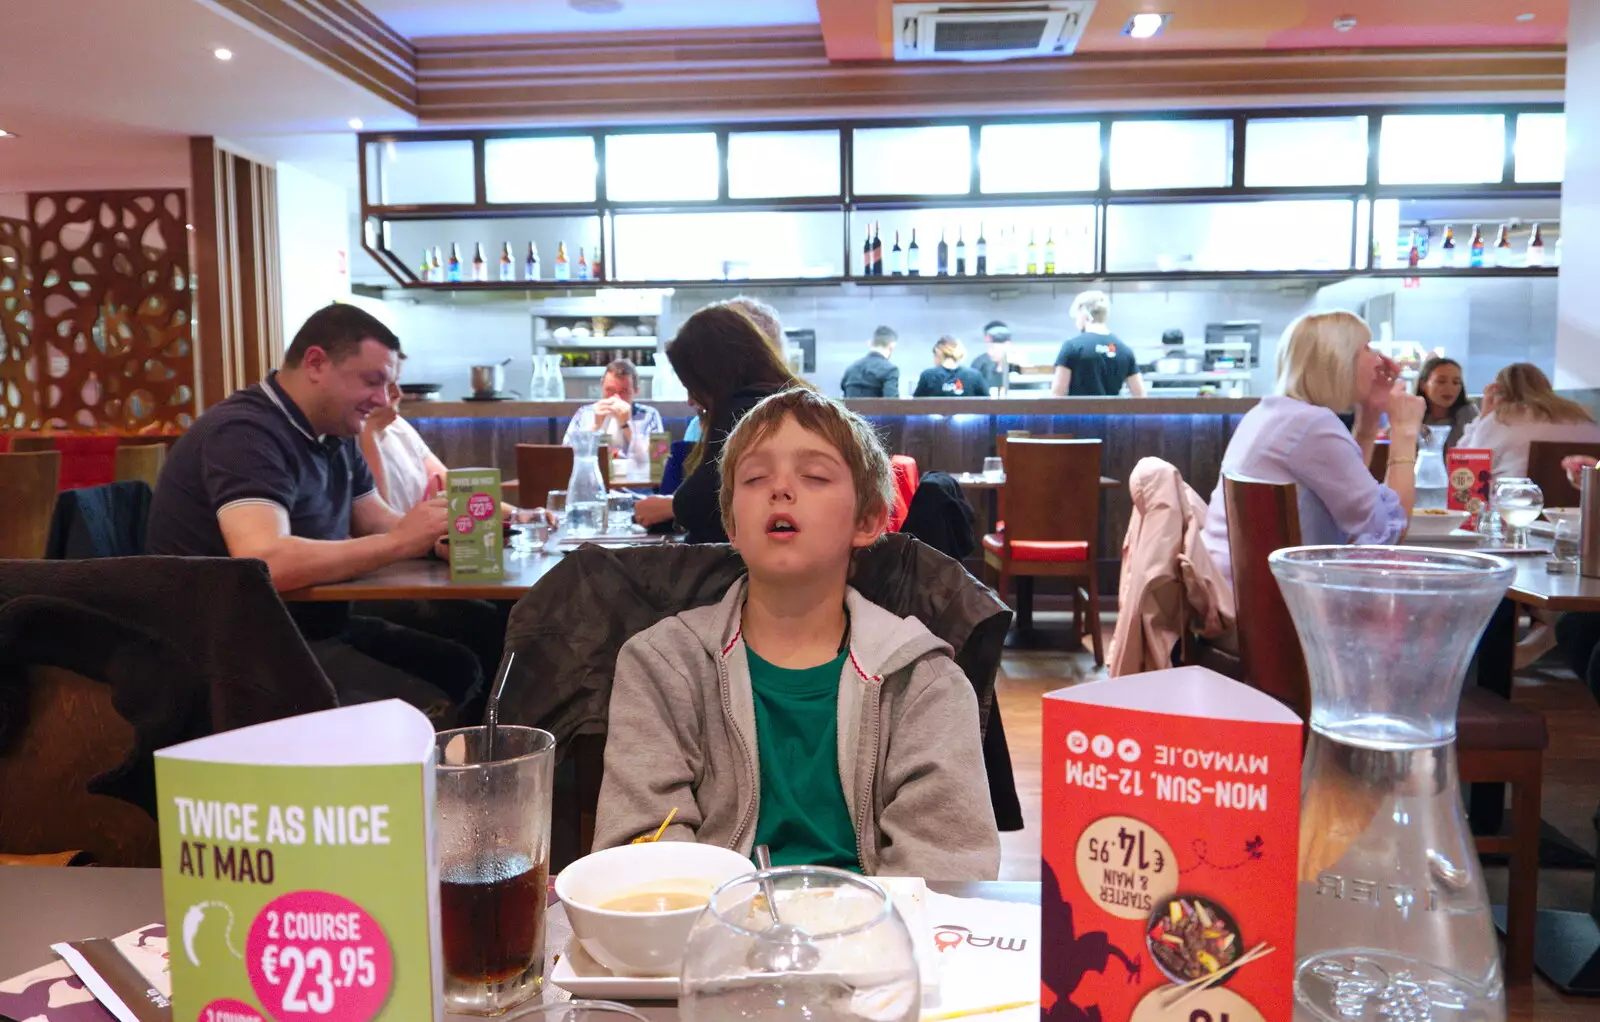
(976, 481)
(429, 579)
(47, 905)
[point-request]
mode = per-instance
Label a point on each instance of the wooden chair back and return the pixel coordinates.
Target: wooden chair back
(71, 733)
(1264, 517)
(1380, 460)
(540, 469)
(28, 495)
(1544, 468)
(32, 444)
(1052, 490)
(142, 462)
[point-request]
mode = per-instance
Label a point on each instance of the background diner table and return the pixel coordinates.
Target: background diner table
(59, 904)
(427, 578)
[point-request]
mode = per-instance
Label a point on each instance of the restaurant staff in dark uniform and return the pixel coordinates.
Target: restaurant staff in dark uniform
(1095, 363)
(873, 375)
(997, 353)
(948, 377)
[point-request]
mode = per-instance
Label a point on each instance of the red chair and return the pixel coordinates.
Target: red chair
(87, 460)
(906, 479)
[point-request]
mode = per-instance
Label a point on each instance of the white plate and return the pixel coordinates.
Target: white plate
(582, 976)
(1461, 537)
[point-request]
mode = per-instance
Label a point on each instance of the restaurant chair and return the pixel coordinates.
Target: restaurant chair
(140, 462)
(540, 469)
(28, 495)
(1379, 466)
(1050, 506)
(1544, 468)
(906, 478)
(1497, 741)
(32, 444)
(567, 631)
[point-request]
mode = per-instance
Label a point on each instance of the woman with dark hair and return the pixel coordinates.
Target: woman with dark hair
(727, 365)
(1440, 382)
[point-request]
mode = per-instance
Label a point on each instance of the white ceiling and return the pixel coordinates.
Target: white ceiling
(419, 18)
(104, 93)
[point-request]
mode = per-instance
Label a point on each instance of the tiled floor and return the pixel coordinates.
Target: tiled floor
(1571, 783)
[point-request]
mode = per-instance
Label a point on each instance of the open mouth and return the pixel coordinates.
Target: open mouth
(781, 525)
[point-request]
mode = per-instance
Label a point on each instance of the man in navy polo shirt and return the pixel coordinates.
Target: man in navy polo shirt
(275, 472)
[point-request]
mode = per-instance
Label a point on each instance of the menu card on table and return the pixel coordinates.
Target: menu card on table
(57, 993)
(477, 547)
(1469, 481)
(1170, 845)
(296, 871)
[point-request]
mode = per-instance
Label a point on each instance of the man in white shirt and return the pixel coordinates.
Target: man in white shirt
(615, 414)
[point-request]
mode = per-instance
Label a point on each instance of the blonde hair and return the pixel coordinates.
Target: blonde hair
(1526, 395)
(949, 347)
(1094, 304)
(1317, 358)
(851, 435)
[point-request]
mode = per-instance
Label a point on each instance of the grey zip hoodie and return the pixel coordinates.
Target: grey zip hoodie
(682, 734)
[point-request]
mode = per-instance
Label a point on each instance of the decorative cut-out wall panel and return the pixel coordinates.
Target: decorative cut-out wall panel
(19, 405)
(112, 308)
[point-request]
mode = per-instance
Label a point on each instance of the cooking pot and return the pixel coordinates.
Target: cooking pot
(488, 381)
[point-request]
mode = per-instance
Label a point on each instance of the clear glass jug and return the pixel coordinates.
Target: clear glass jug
(1393, 919)
(547, 384)
(586, 489)
(1433, 482)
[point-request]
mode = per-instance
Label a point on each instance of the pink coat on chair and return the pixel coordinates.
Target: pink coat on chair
(1169, 583)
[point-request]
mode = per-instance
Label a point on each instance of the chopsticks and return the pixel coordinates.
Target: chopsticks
(968, 1012)
(1195, 986)
(642, 840)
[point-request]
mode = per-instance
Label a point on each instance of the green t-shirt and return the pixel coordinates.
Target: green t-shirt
(804, 819)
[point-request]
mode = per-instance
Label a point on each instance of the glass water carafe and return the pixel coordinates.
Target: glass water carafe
(1393, 917)
(586, 489)
(1433, 481)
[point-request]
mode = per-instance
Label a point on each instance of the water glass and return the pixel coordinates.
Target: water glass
(529, 529)
(862, 966)
(556, 503)
(1520, 502)
(493, 820)
(619, 513)
(994, 470)
(1564, 552)
(577, 1011)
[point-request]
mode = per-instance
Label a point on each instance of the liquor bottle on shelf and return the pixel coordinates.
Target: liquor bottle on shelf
(961, 252)
(530, 270)
(897, 258)
(1477, 245)
(480, 265)
(914, 256)
(1050, 251)
(583, 265)
(597, 265)
(982, 252)
(508, 265)
(877, 250)
(437, 276)
(942, 268)
(454, 271)
(1033, 252)
(1413, 254)
(866, 253)
(425, 271)
(563, 268)
(1449, 254)
(1536, 246)
(1502, 248)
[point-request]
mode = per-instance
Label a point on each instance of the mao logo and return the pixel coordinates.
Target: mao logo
(191, 928)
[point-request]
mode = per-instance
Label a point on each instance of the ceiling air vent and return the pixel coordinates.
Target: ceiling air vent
(988, 31)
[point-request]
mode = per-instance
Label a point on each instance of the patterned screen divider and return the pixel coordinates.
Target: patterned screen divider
(19, 397)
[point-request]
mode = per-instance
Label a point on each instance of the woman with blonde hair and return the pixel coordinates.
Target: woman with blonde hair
(1520, 407)
(1326, 367)
(948, 377)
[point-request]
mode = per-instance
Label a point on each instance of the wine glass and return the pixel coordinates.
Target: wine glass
(863, 966)
(1520, 503)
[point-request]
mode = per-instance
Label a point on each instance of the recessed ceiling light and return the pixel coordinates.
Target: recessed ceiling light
(1528, 16)
(1344, 22)
(595, 6)
(222, 53)
(1143, 26)
(7, 134)
(355, 124)
(188, 227)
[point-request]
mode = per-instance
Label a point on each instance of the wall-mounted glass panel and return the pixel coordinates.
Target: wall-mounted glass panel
(727, 246)
(1286, 151)
(1038, 158)
(1541, 147)
(1444, 230)
(1418, 149)
(672, 166)
(422, 173)
(539, 169)
(1007, 232)
(783, 164)
(411, 240)
(1171, 154)
(912, 161)
(1229, 236)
